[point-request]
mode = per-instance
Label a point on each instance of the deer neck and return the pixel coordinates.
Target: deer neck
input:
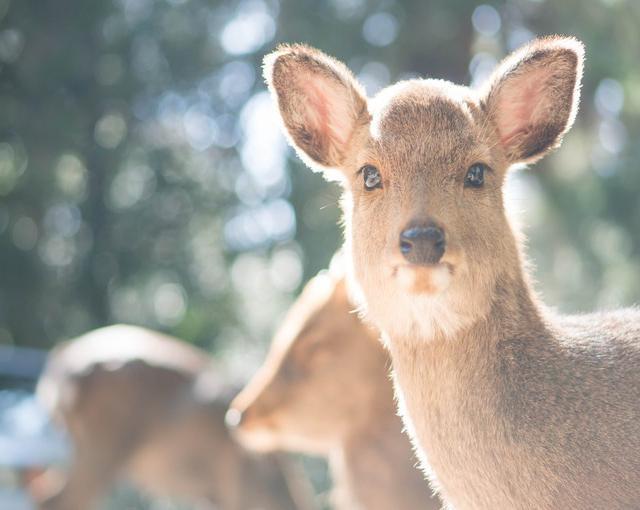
(449, 393)
(373, 463)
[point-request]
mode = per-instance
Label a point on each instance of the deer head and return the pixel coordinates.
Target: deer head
(423, 164)
(324, 379)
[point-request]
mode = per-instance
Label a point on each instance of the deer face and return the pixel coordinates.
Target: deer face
(324, 377)
(423, 164)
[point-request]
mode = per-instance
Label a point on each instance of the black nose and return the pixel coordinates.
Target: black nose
(422, 244)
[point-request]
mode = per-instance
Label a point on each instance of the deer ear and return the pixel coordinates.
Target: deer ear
(320, 102)
(532, 98)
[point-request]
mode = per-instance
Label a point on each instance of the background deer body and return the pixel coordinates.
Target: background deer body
(144, 406)
(510, 405)
(324, 390)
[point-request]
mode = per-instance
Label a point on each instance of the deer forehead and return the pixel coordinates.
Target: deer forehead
(425, 123)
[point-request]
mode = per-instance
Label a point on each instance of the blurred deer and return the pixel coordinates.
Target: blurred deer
(144, 406)
(512, 405)
(324, 389)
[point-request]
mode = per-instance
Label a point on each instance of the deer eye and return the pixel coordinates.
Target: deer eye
(372, 177)
(475, 176)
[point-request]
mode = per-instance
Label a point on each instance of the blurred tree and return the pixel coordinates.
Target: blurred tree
(106, 212)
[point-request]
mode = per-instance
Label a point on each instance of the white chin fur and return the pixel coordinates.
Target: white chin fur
(265, 439)
(423, 280)
(416, 302)
(259, 439)
(409, 301)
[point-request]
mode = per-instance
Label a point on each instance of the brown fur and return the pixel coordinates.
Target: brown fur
(324, 389)
(150, 408)
(510, 405)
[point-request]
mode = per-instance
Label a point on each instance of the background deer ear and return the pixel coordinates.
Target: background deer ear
(320, 102)
(532, 98)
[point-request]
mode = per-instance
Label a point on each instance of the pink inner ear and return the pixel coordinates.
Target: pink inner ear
(327, 109)
(523, 101)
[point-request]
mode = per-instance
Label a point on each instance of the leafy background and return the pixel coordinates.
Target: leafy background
(143, 178)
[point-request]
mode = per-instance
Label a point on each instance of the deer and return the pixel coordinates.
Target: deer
(509, 403)
(324, 390)
(143, 406)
